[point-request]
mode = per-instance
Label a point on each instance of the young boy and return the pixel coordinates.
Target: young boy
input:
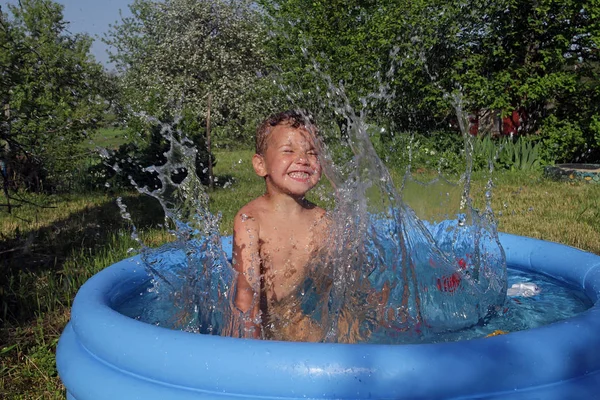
(275, 235)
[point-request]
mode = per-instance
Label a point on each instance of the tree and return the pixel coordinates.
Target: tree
(176, 54)
(319, 45)
(539, 57)
(392, 58)
(50, 94)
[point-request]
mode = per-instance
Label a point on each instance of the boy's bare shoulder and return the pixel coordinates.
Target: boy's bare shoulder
(252, 211)
(319, 213)
(322, 218)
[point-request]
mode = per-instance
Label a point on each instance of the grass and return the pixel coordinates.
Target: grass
(236, 185)
(49, 251)
(528, 204)
(110, 138)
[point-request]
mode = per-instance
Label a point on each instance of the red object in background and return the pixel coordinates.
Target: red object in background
(473, 124)
(511, 123)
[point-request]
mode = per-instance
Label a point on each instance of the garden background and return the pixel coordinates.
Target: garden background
(526, 75)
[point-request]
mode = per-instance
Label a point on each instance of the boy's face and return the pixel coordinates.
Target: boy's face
(290, 162)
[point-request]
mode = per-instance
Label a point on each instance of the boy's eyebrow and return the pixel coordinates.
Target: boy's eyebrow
(289, 144)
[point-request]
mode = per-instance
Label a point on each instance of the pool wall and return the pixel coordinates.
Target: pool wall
(105, 355)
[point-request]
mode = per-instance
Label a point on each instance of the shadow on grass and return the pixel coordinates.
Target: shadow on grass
(43, 269)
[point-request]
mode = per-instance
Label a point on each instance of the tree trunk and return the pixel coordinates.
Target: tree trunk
(208, 147)
(4, 152)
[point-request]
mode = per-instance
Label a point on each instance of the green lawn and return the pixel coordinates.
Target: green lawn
(49, 251)
(110, 138)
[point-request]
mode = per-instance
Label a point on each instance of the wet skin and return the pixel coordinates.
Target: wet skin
(276, 234)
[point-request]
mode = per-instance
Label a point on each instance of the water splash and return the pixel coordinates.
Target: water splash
(193, 279)
(383, 276)
(387, 276)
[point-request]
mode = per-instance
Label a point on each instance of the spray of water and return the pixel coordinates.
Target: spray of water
(386, 276)
(383, 276)
(192, 278)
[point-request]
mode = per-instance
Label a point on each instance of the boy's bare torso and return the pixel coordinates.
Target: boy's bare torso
(286, 243)
(276, 235)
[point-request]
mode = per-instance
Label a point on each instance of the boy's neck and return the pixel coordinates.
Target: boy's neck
(286, 202)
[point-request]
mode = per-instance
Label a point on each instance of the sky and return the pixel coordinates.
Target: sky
(92, 17)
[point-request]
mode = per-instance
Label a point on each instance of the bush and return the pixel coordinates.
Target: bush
(439, 150)
(563, 141)
(520, 154)
(444, 151)
(595, 130)
(131, 159)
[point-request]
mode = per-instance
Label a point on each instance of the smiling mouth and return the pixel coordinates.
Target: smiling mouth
(299, 175)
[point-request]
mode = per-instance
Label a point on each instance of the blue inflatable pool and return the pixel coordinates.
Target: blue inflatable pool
(105, 355)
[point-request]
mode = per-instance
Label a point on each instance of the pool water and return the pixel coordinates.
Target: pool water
(555, 302)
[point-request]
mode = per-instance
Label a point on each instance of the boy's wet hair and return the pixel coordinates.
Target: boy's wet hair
(295, 118)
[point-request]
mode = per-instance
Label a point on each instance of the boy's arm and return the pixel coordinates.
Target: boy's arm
(246, 261)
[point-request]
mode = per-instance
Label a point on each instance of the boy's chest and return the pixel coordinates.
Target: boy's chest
(285, 253)
(286, 244)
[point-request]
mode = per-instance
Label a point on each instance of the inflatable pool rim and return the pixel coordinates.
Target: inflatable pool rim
(105, 355)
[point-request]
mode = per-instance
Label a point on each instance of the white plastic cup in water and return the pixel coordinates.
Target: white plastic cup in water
(523, 289)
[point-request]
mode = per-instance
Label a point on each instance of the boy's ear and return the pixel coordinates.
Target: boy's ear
(258, 163)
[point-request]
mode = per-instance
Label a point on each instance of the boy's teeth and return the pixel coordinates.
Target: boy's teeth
(300, 175)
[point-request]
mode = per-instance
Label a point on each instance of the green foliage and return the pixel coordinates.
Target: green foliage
(595, 129)
(148, 148)
(506, 153)
(505, 55)
(564, 141)
(344, 39)
(439, 150)
(178, 54)
(523, 155)
(485, 149)
(51, 93)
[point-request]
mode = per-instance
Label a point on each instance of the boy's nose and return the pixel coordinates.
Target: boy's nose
(302, 158)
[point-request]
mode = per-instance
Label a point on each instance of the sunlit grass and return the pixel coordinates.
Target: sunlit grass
(237, 184)
(561, 212)
(527, 204)
(110, 138)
